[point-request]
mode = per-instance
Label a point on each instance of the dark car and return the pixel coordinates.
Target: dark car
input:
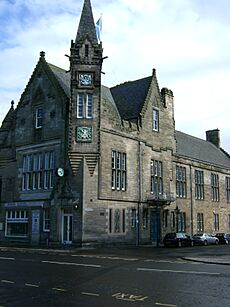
(177, 239)
(224, 238)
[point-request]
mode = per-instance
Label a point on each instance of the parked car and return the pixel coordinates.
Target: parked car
(205, 239)
(224, 238)
(177, 239)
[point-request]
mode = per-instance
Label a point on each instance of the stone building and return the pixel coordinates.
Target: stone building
(81, 163)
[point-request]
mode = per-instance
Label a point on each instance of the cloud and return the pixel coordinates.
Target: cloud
(186, 41)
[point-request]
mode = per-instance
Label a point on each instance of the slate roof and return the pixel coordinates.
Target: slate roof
(127, 99)
(62, 76)
(130, 96)
(201, 150)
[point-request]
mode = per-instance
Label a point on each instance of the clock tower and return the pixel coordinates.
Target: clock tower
(85, 69)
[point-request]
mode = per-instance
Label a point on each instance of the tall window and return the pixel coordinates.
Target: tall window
(38, 171)
(46, 220)
(172, 219)
(181, 222)
(89, 106)
(181, 185)
(118, 166)
(155, 120)
(16, 223)
(134, 218)
(215, 187)
(199, 185)
(216, 221)
(228, 189)
(84, 105)
(145, 218)
(200, 222)
(38, 118)
(165, 218)
(117, 221)
(156, 177)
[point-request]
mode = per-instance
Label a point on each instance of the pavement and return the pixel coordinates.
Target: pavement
(221, 259)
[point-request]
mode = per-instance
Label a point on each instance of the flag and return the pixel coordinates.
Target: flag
(99, 28)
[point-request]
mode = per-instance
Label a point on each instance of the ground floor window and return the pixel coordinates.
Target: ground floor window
(165, 218)
(181, 222)
(117, 221)
(145, 218)
(16, 223)
(229, 222)
(200, 222)
(134, 218)
(216, 222)
(46, 220)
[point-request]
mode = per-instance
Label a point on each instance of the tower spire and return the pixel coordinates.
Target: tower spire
(86, 26)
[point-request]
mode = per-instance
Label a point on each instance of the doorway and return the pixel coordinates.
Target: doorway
(67, 228)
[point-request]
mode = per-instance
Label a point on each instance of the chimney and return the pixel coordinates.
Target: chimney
(213, 136)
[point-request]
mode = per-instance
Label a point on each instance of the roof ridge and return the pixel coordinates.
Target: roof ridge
(130, 81)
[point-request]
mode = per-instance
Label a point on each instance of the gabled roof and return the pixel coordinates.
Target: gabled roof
(86, 26)
(201, 150)
(130, 96)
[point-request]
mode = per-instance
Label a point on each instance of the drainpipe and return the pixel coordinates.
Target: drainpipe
(191, 197)
(139, 192)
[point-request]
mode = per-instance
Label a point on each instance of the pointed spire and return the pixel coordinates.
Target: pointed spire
(87, 26)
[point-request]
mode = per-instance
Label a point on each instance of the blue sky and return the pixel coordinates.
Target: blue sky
(186, 41)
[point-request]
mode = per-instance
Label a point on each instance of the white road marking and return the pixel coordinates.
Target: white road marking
(7, 281)
(73, 263)
(165, 261)
(59, 289)
(5, 258)
(32, 285)
(177, 271)
(106, 257)
(89, 293)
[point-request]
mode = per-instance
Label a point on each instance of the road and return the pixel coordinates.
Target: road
(150, 277)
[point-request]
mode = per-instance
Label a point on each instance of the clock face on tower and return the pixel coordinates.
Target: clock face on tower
(85, 79)
(84, 134)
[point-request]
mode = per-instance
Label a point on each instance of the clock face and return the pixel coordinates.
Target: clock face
(60, 172)
(84, 134)
(85, 79)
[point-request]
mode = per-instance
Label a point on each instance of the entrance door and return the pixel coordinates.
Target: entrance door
(67, 228)
(153, 229)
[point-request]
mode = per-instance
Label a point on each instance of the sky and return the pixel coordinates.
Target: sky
(186, 41)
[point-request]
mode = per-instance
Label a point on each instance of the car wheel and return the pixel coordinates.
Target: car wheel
(179, 244)
(205, 242)
(216, 242)
(192, 243)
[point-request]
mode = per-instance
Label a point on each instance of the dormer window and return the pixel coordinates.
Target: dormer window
(38, 118)
(155, 120)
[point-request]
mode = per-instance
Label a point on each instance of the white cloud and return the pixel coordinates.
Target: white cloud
(186, 41)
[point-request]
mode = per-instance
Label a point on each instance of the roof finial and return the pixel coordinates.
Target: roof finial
(12, 104)
(42, 54)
